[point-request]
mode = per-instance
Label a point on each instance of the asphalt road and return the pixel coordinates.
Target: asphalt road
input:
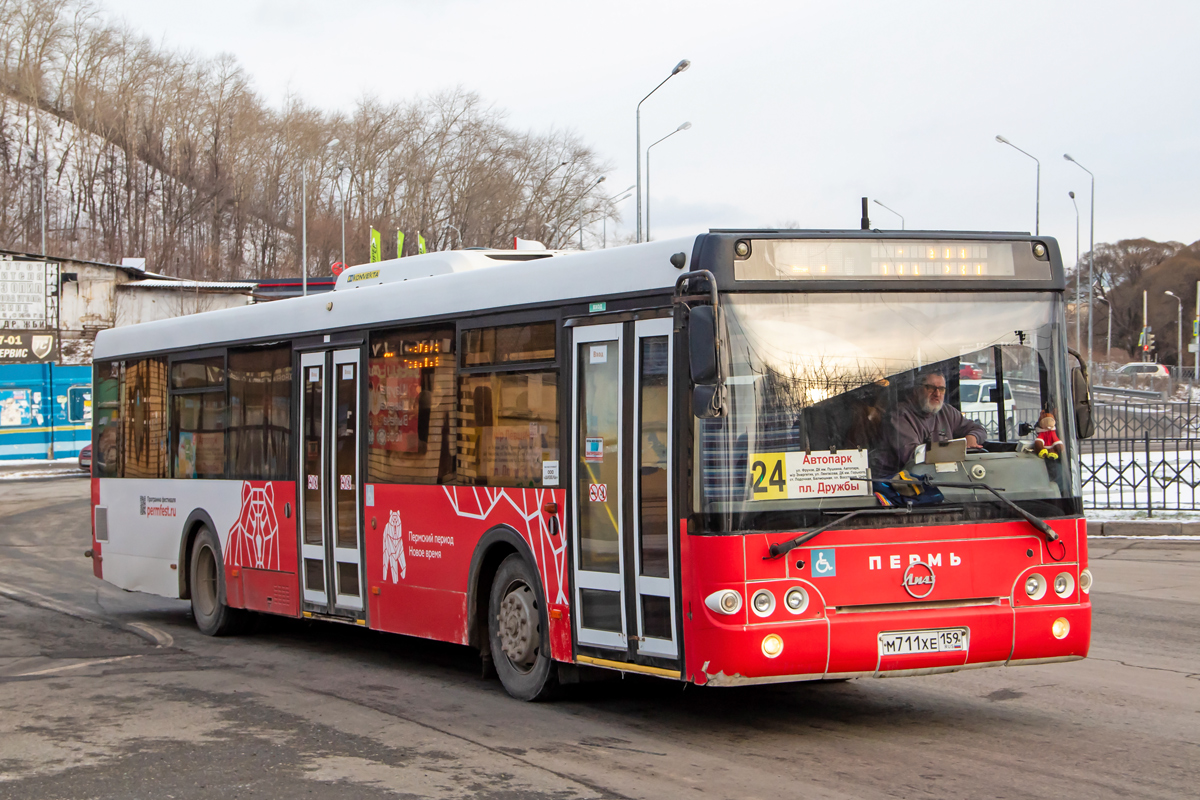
(110, 694)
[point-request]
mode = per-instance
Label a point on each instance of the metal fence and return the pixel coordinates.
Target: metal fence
(1143, 456)
(1135, 420)
(1140, 474)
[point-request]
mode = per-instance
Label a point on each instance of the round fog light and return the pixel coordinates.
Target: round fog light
(1085, 581)
(1064, 584)
(1060, 628)
(772, 645)
(796, 600)
(763, 603)
(1035, 586)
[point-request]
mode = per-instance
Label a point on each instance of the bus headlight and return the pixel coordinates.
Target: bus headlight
(1085, 581)
(725, 601)
(763, 603)
(796, 600)
(1035, 586)
(1064, 584)
(1060, 628)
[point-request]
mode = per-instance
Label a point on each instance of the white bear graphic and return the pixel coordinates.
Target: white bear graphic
(393, 548)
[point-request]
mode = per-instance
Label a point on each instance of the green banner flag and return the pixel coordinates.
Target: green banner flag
(399, 244)
(376, 245)
(420, 243)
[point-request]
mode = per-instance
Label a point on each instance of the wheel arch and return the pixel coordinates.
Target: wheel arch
(198, 519)
(493, 547)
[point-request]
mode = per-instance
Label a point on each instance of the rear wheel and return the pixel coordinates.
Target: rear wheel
(213, 616)
(518, 634)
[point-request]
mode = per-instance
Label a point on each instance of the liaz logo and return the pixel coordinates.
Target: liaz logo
(142, 502)
(916, 577)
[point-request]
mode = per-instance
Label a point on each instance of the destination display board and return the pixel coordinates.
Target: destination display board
(28, 295)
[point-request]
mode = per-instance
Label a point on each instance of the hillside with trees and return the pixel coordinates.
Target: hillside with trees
(147, 152)
(1123, 270)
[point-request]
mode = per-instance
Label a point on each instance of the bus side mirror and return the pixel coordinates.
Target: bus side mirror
(702, 344)
(704, 362)
(1081, 395)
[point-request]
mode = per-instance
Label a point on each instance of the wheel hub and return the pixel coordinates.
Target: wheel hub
(518, 626)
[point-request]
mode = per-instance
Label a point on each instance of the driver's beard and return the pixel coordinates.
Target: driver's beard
(930, 406)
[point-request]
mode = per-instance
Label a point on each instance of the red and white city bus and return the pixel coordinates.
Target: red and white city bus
(681, 458)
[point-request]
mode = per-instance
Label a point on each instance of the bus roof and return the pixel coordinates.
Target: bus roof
(457, 282)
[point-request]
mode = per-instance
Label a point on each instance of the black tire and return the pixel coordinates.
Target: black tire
(207, 580)
(525, 667)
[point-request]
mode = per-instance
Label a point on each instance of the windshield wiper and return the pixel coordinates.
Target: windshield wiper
(1036, 522)
(780, 548)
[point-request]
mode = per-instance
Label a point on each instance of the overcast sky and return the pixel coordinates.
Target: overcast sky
(798, 108)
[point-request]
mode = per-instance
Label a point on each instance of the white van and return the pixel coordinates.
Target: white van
(974, 398)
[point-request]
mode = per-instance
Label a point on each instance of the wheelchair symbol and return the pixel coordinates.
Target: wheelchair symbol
(824, 564)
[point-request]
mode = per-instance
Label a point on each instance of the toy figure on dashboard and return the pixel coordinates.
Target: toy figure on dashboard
(1046, 442)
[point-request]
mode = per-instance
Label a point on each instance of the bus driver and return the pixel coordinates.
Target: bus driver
(920, 418)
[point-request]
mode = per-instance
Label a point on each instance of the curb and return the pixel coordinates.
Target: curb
(38, 600)
(1139, 528)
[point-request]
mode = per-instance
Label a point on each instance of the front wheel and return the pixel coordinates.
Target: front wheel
(517, 631)
(213, 616)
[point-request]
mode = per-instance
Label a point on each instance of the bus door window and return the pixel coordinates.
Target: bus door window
(313, 472)
(598, 485)
(346, 472)
(652, 512)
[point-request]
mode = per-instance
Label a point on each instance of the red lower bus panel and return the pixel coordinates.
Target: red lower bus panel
(233, 587)
(854, 638)
(97, 553)
(271, 591)
(420, 541)
(874, 581)
(1035, 637)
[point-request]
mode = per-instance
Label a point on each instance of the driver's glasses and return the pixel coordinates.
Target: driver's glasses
(929, 387)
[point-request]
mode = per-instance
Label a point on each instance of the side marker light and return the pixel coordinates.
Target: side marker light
(1085, 581)
(724, 601)
(1060, 628)
(772, 645)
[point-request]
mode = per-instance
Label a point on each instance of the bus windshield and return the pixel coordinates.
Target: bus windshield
(828, 395)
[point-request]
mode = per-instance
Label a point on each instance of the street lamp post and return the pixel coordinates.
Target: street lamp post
(897, 213)
(1091, 254)
(304, 230)
(343, 170)
(1178, 330)
(680, 67)
(1108, 342)
(685, 126)
(1078, 285)
(619, 197)
(599, 181)
(1037, 216)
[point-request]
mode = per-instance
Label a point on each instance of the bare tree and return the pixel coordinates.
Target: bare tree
(149, 152)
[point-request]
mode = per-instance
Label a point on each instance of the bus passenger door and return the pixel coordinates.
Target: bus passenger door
(330, 526)
(623, 562)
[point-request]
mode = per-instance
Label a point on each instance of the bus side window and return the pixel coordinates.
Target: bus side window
(107, 428)
(144, 450)
(410, 378)
(259, 435)
(507, 405)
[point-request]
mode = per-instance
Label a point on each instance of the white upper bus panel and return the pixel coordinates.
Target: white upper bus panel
(426, 266)
(565, 278)
(900, 260)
